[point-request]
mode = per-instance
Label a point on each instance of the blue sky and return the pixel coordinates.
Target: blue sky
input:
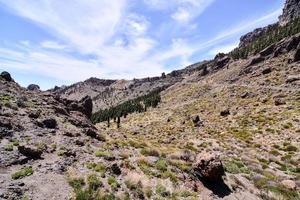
(54, 42)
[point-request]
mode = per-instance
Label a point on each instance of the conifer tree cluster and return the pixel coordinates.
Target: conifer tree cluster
(275, 34)
(139, 104)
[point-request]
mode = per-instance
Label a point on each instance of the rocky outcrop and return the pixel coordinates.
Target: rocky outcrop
(291, 10)
(209, 167)
(6, 76)
(252, 36)
(33, 87)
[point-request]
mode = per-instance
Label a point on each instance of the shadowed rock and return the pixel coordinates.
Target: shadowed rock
(33, 87)
(6, 76)
(30, 151)
(209, 167)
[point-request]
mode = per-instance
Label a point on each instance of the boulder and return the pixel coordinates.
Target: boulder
(94, 134)
(34, 114)
(33, 87)
(87, 105)
(267, 51)
(289, 184)
(256, 60)
(30, 151)
(209, 167)
(297, 55)
(6, 76)
(50, 123)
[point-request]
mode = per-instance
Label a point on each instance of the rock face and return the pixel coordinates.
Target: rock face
(33, 87)
(6, 76)
(252, 36)
(291, 10)
(209, 166)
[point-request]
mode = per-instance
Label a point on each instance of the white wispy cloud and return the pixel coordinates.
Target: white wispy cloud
(52, 45)
(189, 9)
(113, 41)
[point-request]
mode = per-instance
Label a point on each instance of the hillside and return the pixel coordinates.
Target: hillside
(227, 128)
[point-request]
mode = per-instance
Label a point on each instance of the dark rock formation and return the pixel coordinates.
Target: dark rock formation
(252, 36)
(291, 10)
(86, 106)
(30, 151)
(33, 87)
(50, 123)
(209, 167)
(6, 76)
(297, 55)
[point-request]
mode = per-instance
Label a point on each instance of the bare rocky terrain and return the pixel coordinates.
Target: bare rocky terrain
(228, 128)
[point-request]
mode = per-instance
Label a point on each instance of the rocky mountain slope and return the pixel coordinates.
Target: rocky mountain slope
(225, 129)
(107, 93)
(291, 10)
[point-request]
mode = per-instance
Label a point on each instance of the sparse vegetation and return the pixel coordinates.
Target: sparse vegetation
(27, 171)
(273, 35)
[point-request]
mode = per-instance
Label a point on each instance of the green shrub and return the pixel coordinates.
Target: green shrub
(161, 165)
(150, 152)
(9, 147)
(93, 182)
(76, 183)
(291, 148)
(27, 171)
(113, 182)
(100, 153)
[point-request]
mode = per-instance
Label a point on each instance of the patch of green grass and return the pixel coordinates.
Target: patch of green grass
(290, 148)
(136, 144)
(9, 147)
(286, 157)
(274, 152)
(162, 191)
(236, 167)
(76, 183)
(287, 125)
(100, 153)
(171, 175)
(145, 166)
(112, 181)
(161, 165)
(286, 193)
(15, 142)
(93, 182)
(27, 171)
(150, 152)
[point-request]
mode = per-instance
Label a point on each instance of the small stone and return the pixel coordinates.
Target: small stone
(116, 169)
(266, 70)
(225, 113)
(289, 184)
